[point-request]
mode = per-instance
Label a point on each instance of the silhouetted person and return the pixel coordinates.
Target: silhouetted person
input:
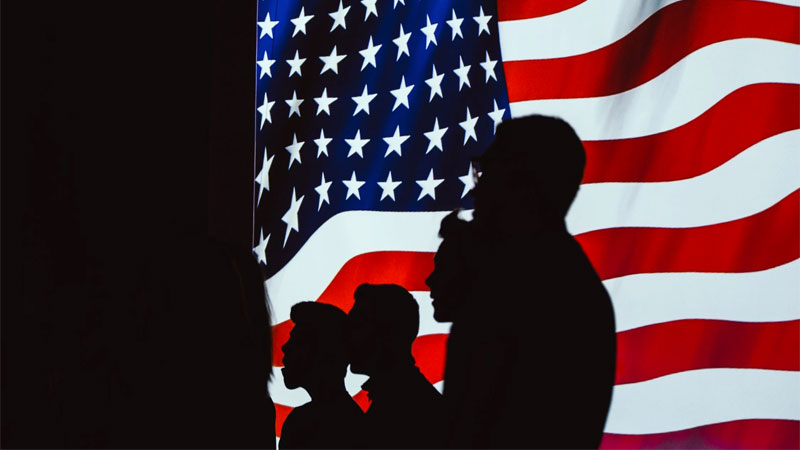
(454, 268)
(315, 359)
(200, 380)
(532, 352)
(406, 410)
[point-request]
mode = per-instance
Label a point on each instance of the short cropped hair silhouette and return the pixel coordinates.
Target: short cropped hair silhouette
(452, 265)
(532, 353)
(315, 359)
(406, 410)
(531, 171)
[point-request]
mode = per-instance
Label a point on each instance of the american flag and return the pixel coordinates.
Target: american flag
(370, 111)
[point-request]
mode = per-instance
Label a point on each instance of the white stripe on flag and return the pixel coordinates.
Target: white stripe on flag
(701, 397)
(676, 96)
(649, 298)
(749, 183)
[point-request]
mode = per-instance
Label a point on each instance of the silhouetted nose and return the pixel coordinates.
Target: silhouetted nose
(430, 281)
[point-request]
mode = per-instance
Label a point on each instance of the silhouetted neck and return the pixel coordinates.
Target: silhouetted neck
(327, 390)
(386, 380)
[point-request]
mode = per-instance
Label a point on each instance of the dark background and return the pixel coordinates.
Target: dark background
(125, 126)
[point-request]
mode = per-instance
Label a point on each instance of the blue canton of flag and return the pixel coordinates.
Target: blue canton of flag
(369, 105)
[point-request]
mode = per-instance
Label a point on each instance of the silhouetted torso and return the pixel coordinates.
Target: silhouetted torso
(537, 368)
(406, 412)
(532, 351)
(331, 423)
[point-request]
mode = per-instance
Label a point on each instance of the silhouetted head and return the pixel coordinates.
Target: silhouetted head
(450, 279)
(531, 172)
(382, 325)
(316, 347)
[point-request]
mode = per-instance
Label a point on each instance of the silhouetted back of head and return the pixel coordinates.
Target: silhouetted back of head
(382, 325)
(534, 160)
(316, 346)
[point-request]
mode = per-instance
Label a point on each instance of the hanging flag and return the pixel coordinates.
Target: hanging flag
(369, 113)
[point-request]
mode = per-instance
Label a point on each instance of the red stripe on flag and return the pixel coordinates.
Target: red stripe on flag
(657, 350)
(528, 9)
(281, 412)
(754, 243)
(663, 39)
(741, 119)
(739, 434)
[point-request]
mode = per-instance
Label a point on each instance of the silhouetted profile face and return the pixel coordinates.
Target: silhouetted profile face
(296, 357)
(449, 281)
(316, 346)
(382, 325)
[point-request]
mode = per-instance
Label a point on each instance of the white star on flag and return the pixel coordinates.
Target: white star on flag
(301, 21)
(488, 66)
(261, 249)
(338, 17)
(290, 218)
(388, 187)
(294, 150)
(395, 142)
(324, 102)
(356, 145)
(468, 180)
(483, 22)
(264, 110)
(331, 62)
(428, 186)
(401, 41)
(496, 115)
(435, 83)
(362, 101)
(401, 94)
(429, 30)
(322, 191)
(469, 127)
(265, 64)
(295, 63)
(462, 71)
(294, 104)
(353, 185)
(369, 54)
(370, 8)
(322, 143)
(435, 137)
(455, 24)
(263, 176)
(267, 26)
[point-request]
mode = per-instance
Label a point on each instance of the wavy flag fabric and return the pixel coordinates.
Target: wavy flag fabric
(369, 113)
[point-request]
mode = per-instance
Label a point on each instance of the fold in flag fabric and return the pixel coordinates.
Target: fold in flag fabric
(370, 112)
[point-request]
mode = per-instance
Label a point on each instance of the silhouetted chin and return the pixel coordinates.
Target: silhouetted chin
(288, 379)
(441, 313)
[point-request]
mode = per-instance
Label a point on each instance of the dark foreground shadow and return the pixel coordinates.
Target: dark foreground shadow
(199, 378)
